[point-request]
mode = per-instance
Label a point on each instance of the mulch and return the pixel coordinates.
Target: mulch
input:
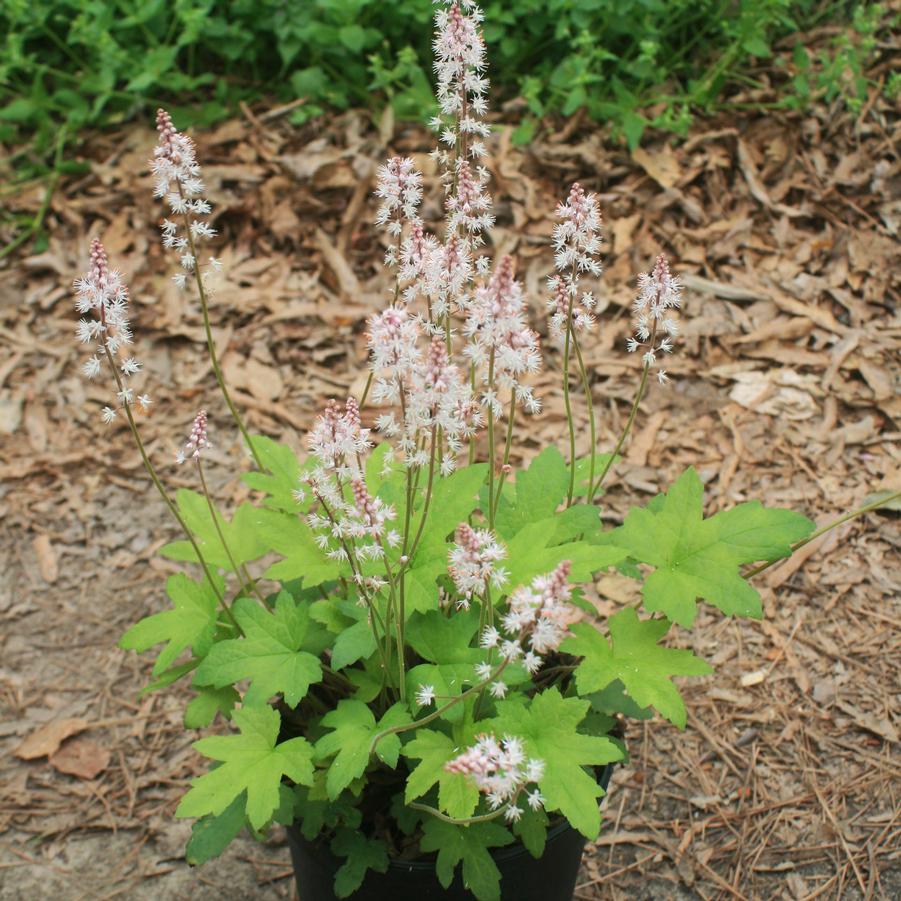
(784, 228)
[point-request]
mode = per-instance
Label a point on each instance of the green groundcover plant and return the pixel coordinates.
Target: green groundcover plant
(65, 64)
(418, 669)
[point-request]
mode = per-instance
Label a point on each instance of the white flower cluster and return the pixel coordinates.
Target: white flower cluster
(577, 242)
(342, 527)
(102, 293)
(659, 293)
(399, 186)
(536, 622)
(501, 345)
(177, 179)
(459, 67)
(338, 442)
(468, 206)
(473, 563)
(432, 392)
(501, 771)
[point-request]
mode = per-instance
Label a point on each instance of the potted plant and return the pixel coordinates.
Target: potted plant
(419, 685)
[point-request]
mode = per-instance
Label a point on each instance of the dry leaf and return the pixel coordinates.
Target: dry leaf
(45, 740)
(881, 726)
(661, 165)
(81, 757)
(263, 382)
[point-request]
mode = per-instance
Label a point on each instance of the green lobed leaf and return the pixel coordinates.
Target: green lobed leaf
(457, 794)
(190, 623)
(583, 470)
(453, 498)
(251, 762)
(539, 491)
(353, 726)
(241, 533)
(469, 844)
(211, 835)
(531, 830)
(282, 478)
(633, 657)
(291, 537)
(700, 558)
(202, 709)
(315, 814)
(530, 553)
(269, 654)
(548, 727)
(353, 643)
(362, 854)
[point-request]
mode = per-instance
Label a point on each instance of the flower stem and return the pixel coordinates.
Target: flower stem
(592, 424)
(619, 444)
(151, 471)
(211, 347)
(406, 727)
(466, 821)
(209, 500)
(491, 441)
(428, 494)
(567, 403)
(867, 508)
(508, 445)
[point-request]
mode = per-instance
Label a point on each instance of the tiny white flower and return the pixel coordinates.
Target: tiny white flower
(483, 671)
(425, 694)
(498, 689)
(107, 414)
(91, 367)
(490, 637)
(513, 813)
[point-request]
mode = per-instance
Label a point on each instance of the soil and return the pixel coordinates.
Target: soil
(786, 783)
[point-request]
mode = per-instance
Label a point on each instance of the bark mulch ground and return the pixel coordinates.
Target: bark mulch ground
(784, 227)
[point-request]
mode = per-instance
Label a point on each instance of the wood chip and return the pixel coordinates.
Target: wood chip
(47, 560)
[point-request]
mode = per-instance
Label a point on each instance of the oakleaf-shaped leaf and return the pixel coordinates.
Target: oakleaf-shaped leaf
(251, 762)
(190, 622)
(269, 653)
(633, 656)
(548, 727)
(469, 844)
(700, 558)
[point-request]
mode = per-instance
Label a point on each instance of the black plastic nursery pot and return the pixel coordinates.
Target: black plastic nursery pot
(552, 877)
